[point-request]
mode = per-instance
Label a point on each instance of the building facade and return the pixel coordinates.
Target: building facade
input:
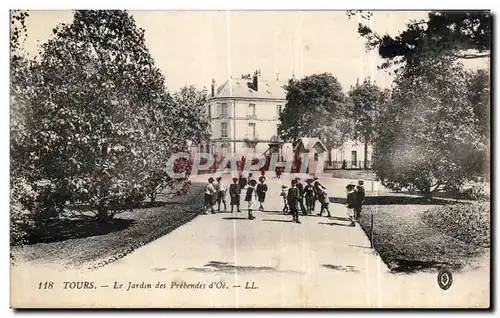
(351, 156)
(244, 116)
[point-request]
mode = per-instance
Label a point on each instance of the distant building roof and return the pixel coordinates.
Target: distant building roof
(309, 143)
(242, 88)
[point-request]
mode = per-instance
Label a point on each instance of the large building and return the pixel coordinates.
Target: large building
(244, 115)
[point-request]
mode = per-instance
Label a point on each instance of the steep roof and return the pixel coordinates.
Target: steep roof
(242, 88)
(309, 143)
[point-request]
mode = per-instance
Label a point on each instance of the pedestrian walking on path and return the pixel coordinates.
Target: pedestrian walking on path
(284, 194)
(318, 191)
(300, 187)
(235, 193)
(261, 192)
(293, 200)
(251, 198)
(351, 202)
(221, 193)
(209, 196)
(360, 198)
(325, 201)
(309, 196)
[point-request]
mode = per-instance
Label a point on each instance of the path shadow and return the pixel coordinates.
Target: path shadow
(270, 220)
(235, 218)
(411, 266)
(334, 223)
(216, 266)
(338, 218)
(347, 268)
(56, 230)
(394, 199)
(360, 246)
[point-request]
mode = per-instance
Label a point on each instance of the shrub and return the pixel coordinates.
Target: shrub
(21, 219)
(467, 222)
(476, 193)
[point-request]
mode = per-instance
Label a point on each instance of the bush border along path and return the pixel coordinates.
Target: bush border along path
(407, 242)
(93, 252)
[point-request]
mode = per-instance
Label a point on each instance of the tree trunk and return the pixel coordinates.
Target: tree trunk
(102, 214)
(366, 152)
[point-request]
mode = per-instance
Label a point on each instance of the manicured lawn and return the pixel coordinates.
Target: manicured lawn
(82, 244)
(419, 236)
(366, 175)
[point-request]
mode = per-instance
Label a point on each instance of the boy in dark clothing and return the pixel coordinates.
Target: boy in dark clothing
(360, 198)
(300, 187)
(261, 192)
(293, 198)
(309, 195)
(234, 193)
(318, 192)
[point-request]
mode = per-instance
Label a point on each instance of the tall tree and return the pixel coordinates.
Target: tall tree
(316, 106)
(190, 106)
(367, 101)
(91, 111)
(457, 34)
(180, 119)
(427, 136)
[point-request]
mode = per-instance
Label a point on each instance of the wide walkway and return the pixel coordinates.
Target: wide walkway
(272, 262)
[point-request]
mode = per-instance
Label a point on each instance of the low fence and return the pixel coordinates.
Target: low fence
(349, 165)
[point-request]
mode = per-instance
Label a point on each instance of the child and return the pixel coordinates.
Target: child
(309, 195)
(251, 198)
(351, 202)
(235, 192)
(209, 196)
(360, 198)
(293, 201)
(283, 194)
(324, 200)
(221, 193)
(261, 192)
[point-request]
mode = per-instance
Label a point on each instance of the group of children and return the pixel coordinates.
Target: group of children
(293, 197)
(254, 193)
(312, 192)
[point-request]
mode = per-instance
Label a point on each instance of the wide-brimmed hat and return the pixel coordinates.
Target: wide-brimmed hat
(361, 182)
(284, 186)
(350, 186)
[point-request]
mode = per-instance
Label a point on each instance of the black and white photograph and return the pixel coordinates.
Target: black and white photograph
(250, 158)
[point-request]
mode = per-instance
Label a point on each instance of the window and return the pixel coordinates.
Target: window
(224, 146)
(223, 129)
(278, 110)
(251, 109)
(354, 158)
(223, 110)
(209, 111)
(251, 130)
(316, 156)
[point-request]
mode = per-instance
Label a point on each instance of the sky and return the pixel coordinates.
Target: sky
(194, 47)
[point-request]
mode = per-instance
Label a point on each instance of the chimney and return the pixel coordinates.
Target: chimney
(255, 81)
(213, 87)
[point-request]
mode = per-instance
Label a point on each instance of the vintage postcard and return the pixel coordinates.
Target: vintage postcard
(250, 159)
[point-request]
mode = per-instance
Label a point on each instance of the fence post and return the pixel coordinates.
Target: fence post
(371, 230)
